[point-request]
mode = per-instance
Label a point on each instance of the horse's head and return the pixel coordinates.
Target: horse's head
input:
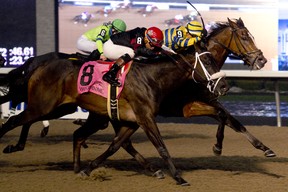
(236, 39)
(206, 71)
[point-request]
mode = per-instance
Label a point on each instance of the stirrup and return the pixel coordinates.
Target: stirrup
(113, 82)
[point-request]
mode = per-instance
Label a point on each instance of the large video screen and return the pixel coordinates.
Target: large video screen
(260, 18)
(17, 31)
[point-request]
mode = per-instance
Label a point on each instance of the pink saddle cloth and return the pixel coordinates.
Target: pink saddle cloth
(90, 77)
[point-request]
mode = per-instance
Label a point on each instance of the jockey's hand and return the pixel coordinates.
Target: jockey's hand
(102, 57)
(204, 33)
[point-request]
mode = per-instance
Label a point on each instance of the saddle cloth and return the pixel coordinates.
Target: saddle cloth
(90, 78)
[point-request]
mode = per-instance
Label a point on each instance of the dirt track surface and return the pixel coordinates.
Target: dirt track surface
(46, 163)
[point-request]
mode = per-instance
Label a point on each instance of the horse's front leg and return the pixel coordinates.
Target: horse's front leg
(127, 145)
(124, 134)
(197, 108)
(150, 127)
(129, 148)
(238, 127)
(91, 126)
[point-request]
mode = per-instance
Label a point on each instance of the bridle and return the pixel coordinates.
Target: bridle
(211, 84)
(240, 47)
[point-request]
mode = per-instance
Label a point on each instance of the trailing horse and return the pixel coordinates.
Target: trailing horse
(225, 38)
(52, 89)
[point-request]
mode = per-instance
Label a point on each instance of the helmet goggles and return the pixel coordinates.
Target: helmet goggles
(154, 42)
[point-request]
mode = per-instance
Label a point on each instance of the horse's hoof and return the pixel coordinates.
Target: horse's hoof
(44, 131)
(78, 122)
(83, 174)
(217, 151)
(159, 174)
(185, 184)
(182, 182)
(84, 145)
(77, 169)
(9, 149)
(12, 149)
(269, 153)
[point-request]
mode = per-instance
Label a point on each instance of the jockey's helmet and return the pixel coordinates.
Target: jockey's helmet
(119, 25)
(155, 36)
(194, 28)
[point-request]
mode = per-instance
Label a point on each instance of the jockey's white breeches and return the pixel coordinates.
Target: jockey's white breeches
(85, 45)
(113, 52)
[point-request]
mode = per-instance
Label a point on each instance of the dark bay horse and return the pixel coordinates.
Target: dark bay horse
(52, 88)
(225, 38)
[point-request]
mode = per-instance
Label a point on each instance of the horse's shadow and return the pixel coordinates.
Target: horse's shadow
(235, 164)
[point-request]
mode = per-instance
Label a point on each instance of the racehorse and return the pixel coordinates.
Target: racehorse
(52, 88)
(225, 38)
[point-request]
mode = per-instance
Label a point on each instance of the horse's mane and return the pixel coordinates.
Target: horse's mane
(219, 25)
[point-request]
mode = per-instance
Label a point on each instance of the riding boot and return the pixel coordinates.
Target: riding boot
(94, 56)
(110, 76)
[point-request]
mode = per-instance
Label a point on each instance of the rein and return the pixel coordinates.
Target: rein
(211, 85)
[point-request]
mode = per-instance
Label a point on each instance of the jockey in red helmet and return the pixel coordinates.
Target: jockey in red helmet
(124, 46)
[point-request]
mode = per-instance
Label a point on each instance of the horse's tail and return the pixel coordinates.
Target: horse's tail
(16, 73)
(22, 73)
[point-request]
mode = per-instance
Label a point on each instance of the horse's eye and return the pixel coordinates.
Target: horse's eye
(244, 36)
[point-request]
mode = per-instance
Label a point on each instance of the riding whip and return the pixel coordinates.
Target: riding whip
(197, 12)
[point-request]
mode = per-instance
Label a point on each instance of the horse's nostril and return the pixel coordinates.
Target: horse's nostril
(224, 89)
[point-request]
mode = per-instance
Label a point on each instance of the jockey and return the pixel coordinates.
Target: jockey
(94, 38)
(122, 47)
(182, 37)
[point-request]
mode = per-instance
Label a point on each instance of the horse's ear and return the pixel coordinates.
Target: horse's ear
(232, 24)
(240, 22)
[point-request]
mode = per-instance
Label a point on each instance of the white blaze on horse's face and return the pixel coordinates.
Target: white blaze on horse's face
(212, 80)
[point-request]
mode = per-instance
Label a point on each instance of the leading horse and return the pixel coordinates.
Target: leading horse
(53, 87)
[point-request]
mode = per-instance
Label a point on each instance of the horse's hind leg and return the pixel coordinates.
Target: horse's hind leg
(12, 122)
(26, 118)
(21, 142)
